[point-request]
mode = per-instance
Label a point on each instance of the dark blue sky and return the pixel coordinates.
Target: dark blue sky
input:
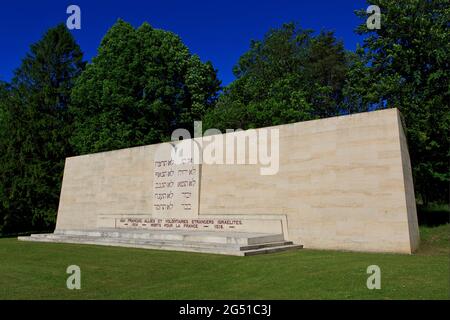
(219, 31)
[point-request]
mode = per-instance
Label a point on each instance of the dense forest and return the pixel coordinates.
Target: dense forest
(144, 83)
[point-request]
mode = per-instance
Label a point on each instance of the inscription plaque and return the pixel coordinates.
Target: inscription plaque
(273, 225)
(175, 186)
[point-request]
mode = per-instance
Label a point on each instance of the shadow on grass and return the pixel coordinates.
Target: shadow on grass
(22, 234)
(433, 215)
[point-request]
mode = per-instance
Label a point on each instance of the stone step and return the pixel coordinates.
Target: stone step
(62, 238)
(53, 237)
(241, 238)
(115, 243)
(240, 244)
(266, 245)
(272, 249)
(227, 250)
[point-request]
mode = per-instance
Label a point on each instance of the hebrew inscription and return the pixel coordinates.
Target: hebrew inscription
(175, 186)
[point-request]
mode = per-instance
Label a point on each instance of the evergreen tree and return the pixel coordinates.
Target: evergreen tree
(34, 132)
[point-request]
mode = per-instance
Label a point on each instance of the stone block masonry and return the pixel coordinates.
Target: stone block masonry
(343, 183)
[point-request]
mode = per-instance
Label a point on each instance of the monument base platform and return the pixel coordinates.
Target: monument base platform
(228, 243)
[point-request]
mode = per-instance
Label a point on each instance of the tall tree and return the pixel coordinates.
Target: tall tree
(3, 135)
(325, 71)
(357, 96)
(3, 96)
(35, 130)
(142, 85)
(409, 59)
(291, 75)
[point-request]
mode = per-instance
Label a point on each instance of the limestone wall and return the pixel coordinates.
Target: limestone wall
(343, 183)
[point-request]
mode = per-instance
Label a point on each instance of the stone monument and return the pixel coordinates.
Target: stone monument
(341, 183)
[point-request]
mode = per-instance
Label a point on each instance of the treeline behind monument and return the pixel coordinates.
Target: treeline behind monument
(144, 83)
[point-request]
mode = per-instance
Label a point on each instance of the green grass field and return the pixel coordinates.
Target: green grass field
(38, 271)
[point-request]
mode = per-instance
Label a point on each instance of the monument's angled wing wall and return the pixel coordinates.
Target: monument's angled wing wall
(343, 183)
(409, 189)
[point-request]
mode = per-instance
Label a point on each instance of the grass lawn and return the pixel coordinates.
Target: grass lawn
(38, 271)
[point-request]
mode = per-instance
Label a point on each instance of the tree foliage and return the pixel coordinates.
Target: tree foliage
(34, 131)
(142, 84)
(409, 69)
(291, 75)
